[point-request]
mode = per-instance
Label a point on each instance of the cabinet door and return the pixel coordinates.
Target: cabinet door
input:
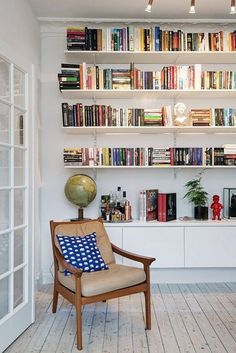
(210, 246)
(115, 236)
(166, 244)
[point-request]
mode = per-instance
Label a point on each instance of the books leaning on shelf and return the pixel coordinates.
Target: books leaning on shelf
(150, 38)
(177, 77)
(148, 205)
(149, 156)
(103, 115)
(166, 206)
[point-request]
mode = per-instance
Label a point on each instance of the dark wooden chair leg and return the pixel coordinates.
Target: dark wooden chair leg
(78, 308)
(148, 309)
(147, 294)
(55, 299)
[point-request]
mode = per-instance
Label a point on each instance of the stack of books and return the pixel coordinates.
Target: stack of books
(69, 78)
(76, 38)
(120, 79)
(153, 117)
(230, 154)
(200, 117)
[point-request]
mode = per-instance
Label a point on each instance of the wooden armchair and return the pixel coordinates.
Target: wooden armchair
(90, 287)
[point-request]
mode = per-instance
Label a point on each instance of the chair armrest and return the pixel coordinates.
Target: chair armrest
(146, 261)
(74, 270)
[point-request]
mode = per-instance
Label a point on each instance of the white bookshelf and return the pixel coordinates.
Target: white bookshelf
(147, 94)
(150, 167)
(148, 57)
(116, 130)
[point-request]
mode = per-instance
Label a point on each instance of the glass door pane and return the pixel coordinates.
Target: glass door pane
(4, 297)
(18, 287)
(19, 167)
(4, 253)
(18, 128)
(4, 166)
(5, 80)
(19, 245)
(19, 207)
(19, 88)
(5, 115)
(4, 209)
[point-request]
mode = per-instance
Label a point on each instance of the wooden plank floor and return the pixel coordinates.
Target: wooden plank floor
(190, 318)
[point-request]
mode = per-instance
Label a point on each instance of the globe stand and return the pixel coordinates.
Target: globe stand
(80, 215)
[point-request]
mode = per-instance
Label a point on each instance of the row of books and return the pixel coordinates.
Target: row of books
(213, 117)
(152, 38)
(105, 115)
(154, 205)
(148, 156)
(177, 77)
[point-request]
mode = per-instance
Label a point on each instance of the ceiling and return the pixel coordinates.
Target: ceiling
(130, 9)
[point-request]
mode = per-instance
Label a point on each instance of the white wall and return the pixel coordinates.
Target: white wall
(19, 33)
(54, 175)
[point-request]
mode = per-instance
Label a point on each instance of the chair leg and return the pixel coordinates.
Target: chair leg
(78, 308)
(79, 327)
(54, 300)
(148, 308)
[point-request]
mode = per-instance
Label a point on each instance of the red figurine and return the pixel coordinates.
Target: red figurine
(216, 207)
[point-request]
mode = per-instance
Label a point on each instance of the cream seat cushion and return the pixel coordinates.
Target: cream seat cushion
(116, 277)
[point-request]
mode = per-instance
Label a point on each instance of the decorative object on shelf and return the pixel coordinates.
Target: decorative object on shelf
(80, 189)
(216, 207)
(115, 207)
(180, 116)
(229, 201)
(198, 196)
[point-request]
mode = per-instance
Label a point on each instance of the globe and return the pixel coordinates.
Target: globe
(80, 189)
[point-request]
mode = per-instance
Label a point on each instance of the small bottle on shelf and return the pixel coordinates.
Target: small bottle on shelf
(128, 215)
(118, 195)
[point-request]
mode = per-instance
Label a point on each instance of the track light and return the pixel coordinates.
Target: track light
(192, 7)
(232, 7)
(149, 6)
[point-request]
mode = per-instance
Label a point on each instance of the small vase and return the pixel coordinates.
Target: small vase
(201, 212)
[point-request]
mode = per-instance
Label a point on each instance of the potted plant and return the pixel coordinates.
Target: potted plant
(198, 196)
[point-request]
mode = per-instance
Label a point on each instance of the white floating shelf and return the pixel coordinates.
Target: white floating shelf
(145, 93)
(116, 130)
(168, 57)
(151, 167)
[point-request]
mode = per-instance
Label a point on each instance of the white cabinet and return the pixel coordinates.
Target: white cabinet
(210, 246)
(115, 236)
(178, 245)
(166, 244)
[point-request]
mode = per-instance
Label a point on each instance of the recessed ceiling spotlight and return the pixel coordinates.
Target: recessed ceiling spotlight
(192, 7)
(149, 6)
(232, 7)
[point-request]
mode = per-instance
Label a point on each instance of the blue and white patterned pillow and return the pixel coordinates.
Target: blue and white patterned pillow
(81, 252)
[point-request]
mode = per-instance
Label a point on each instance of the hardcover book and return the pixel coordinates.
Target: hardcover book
(151, 204)
(166, 207)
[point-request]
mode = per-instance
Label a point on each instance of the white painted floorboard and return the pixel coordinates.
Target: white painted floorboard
(186, 318)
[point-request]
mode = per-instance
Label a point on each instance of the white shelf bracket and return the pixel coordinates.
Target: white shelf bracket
(175, 145)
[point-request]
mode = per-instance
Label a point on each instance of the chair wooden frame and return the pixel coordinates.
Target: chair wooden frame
(76, 298)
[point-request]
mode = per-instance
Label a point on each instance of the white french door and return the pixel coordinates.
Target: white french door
(16, 203)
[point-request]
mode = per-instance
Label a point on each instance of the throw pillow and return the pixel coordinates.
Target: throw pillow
(82, 252)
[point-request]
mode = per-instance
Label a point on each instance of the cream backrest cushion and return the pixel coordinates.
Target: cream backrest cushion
(81, 229)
